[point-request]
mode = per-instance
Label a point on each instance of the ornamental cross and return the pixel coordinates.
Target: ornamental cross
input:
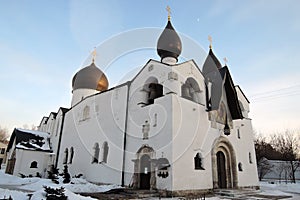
(210, 41)
(169, 12)
(94, 53)
(225, 60)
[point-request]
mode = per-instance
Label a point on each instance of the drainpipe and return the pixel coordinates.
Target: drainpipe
(125, 137)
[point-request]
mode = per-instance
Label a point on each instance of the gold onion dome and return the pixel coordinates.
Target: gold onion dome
(169, 43)
(90, 77)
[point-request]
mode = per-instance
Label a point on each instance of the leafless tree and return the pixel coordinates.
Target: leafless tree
(283, 169)
(3, 134)
(287, 144)
(29, 127)
(263, 167)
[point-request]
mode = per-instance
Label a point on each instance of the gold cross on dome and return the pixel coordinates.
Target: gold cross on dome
(210, 41)
(169, 12)
(94, 53)
(225, 60)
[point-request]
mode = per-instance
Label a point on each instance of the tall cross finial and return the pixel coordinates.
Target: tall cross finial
(169, 12)
(210, 41)
(225, 61)
(94, 53)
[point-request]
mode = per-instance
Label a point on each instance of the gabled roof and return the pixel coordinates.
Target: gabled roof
(30, 140)
(64, 110)
(212, 74)
(231, 95)
(239, 88)
(54, 114)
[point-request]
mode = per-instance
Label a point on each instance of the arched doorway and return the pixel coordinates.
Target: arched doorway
(221, 169)
(144, 169)
(224, 167)
(145, 174)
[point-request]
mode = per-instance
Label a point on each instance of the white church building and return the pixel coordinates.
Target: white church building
(175, 126)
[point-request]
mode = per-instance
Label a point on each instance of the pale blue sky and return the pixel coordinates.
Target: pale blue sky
(43, 44)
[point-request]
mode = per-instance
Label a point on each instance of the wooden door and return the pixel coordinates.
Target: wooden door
(221, 170)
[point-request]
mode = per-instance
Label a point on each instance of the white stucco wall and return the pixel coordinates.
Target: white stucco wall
(189, 138)
(24, 158)
(159, 116)
(105, 122)
(243, 146)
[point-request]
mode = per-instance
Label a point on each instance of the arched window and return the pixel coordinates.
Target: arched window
(190, 90)
(198, 162)
(33, 164)
(250, 158)
(105, 152)
(71, 155)
(86, 113)
(66, 154)
(152, 90)
(240, 166)
(238, 134)
(96, 153)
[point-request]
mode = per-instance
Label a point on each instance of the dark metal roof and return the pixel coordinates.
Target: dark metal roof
(64, 110)
(215, 59)
(169, 43)
(211, 73)
(89, 77)
(31, 140)
(231, 95)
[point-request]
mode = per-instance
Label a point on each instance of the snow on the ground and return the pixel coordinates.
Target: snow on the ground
(40, 194)
(7, 179)
(18, 188)
(5, 193)
(280, 188)
(79, 185)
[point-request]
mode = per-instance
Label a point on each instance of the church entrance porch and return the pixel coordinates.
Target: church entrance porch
(144, 169)
(224, 167)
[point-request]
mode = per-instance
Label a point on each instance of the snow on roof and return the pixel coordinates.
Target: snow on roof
(32, 140)
(38, 133)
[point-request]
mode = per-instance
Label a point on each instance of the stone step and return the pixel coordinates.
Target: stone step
(235, 193)
(124, 193)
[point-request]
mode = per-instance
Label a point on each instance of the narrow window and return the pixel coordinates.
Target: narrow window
(155, 120)
(65, 161)
(33, 164)
(250, 158)
(86, 113)
(2, 150)
(240, 166)
(198, 162)
(96, 153)
(105, 149)
(71, 155)
(238, 134)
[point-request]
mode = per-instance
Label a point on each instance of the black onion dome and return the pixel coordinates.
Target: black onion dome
(90, 77)
(169, 43)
